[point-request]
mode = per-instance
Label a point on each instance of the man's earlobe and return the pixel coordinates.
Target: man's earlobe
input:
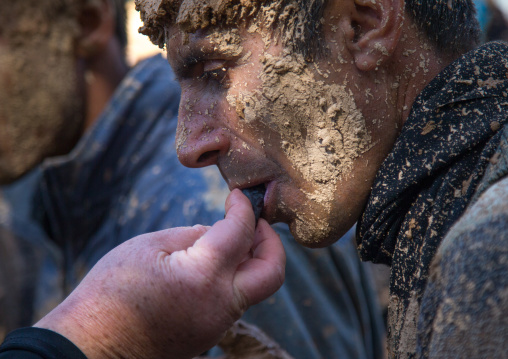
(375, 31)
(97, 27)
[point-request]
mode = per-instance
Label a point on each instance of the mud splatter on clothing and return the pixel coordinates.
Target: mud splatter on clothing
(430, 177)
(463, 311)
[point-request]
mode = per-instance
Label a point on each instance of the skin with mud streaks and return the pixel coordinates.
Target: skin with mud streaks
(267, 115)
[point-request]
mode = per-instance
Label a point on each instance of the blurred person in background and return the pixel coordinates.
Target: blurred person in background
(492, 20)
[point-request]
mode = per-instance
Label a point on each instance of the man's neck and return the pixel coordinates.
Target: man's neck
(421, 65)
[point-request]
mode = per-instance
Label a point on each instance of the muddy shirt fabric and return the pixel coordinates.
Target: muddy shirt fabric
(463, 311)
(124, 179)
(431, 175)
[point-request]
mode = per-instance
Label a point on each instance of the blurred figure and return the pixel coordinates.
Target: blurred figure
(492, 20)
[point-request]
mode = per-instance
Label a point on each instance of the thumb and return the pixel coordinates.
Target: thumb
(263, 274)
(230, 239)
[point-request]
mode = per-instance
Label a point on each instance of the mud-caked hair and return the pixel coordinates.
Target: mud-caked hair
(450, 25)
(298, 22)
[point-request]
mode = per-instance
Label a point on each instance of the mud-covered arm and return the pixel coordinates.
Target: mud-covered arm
(173, 293)
(463, 313)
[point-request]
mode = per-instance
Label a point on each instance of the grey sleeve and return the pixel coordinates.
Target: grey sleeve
(463, 311)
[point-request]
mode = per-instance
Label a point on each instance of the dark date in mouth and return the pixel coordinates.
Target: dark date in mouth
(256, 197)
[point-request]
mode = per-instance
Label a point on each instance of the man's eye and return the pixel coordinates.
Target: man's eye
(215, 71)
(214, 74)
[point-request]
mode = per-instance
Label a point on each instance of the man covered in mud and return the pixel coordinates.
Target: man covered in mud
(378, 111)
(87, 150)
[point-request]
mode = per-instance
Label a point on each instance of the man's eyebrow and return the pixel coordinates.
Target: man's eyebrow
(194, 54)
(186, 59)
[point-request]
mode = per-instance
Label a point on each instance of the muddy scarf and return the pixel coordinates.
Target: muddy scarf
(431, 175)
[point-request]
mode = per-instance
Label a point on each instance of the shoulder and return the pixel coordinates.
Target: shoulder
(467, 292)
(474, 254)
(487, 216)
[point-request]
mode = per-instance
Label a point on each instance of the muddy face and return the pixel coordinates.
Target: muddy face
(264, 115)
(41, 108)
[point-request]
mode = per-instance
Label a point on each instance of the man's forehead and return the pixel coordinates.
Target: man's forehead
(182, 44)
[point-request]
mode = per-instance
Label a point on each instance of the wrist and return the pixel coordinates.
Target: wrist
(78, 321)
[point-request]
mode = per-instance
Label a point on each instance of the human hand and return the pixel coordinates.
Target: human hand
(173, 293)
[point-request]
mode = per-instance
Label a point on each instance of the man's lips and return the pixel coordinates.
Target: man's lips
(248, 173)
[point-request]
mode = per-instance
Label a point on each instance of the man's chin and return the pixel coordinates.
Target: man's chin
(314, 234)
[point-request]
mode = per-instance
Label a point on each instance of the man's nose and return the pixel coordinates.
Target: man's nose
(200, 142)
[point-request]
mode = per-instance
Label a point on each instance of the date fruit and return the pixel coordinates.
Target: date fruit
(256, 197)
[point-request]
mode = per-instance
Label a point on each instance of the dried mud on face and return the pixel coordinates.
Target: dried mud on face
(321, 129)
(322, 132)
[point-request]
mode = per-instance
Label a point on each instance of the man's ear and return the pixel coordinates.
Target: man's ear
(375, 29)
(97, 27)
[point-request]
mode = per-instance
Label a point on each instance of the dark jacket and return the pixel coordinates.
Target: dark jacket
(426, 183)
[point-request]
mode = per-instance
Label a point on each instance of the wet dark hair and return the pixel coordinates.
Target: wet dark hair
(451, 25)
(307, 32)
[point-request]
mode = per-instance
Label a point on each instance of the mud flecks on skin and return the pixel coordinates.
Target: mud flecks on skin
(226, 42)
(330, 131)
(321, 130)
